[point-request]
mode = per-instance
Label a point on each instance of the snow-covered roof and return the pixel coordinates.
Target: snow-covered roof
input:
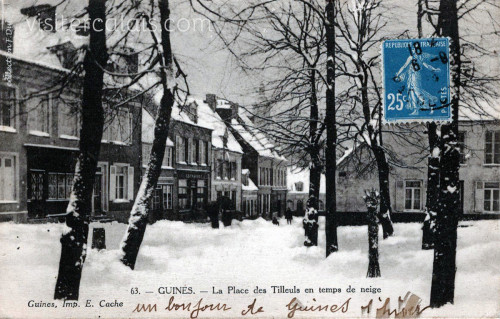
(206, 118)
(245, 171)
(31, 42)
(251, 186)
(254, 137)
(301, 175)
(481, 111)
(148, 129)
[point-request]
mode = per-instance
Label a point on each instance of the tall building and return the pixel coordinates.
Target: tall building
(267, 169)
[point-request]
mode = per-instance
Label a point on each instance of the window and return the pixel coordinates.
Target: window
(121, 187)
(179, 149)
(233, 198)
(233, 170)
(299, 186)
(492, 196)
(8, 178)
(461, 145)
(59, 185)
(207, 151)
(157, 197)
(219, 169)
(39, 116)
(202, 149)
(201, 191)
(120, 128)
(167, 159)
(7, 107)
(183, 194)
(492, 147)
(413, 195)
(193, 150)
(244, 179)
(167, 196)
(121, 182)
(187, 153)
(68, 121)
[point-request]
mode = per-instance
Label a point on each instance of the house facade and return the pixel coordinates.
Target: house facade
(266, 168)
(183, 188)
(298, 190)
(39, 137)
(249, 194)
(479, 143)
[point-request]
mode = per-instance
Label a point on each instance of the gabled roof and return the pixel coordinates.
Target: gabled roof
(257, 140)
(206, 118)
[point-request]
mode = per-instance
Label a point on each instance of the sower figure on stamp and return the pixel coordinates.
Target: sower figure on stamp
(416, 96)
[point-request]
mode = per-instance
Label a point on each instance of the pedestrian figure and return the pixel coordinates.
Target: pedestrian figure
(288, 216)
(275, 221)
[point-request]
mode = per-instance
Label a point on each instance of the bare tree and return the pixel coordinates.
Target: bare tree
(359, 25)
(74, 241)
(477, 86)
(445, 244)
(139, 214)
(331, 134)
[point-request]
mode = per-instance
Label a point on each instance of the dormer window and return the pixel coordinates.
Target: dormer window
(299, 186)
(124, 60)
(45, 14)
(191, 110)
(66, 53)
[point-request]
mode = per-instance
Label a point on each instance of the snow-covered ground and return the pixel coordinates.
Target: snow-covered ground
(245, 255)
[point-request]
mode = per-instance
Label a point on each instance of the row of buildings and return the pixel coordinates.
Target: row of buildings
(213, 150)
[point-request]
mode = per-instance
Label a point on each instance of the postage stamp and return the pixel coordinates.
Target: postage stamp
(416, 75)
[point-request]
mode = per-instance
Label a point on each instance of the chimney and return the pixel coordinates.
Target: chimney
(44, 13)
(211, 100)
(234, 110)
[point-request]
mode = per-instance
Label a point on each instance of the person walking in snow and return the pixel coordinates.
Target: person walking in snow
(288, 216)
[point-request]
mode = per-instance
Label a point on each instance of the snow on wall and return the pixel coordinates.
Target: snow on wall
(296, 174)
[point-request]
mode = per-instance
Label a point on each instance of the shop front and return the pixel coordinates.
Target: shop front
(192, 194)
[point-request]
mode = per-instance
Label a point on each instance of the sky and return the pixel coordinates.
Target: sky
(212, 68)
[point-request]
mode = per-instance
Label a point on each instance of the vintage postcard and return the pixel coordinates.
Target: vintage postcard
(249, 159)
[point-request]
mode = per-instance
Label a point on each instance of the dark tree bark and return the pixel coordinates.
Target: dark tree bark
(140, 210)
(432, 165)
(331, 134)
(311, 220)
(372, 199)
(428, 227)
(74, 241)
(444, 268)
(375, 136)
(384, 214)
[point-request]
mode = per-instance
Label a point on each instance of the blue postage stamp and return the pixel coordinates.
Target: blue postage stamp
(416, 80)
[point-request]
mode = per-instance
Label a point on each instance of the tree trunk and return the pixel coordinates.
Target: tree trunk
(140, 210)
(428, 228)
(371, 200)
(385, 198)
(444, 268)
(74, 241)
(311, 217)
(432, 193)
(331, 135)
